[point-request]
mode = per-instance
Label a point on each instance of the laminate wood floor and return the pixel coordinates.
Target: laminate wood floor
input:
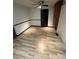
(39, 43)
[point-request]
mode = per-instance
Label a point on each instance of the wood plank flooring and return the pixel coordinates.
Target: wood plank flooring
(39, 43)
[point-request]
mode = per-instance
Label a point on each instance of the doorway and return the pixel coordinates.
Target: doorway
(44, 17)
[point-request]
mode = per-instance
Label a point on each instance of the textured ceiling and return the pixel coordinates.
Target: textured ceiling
(28, 3)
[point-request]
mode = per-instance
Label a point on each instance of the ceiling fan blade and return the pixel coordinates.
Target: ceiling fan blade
(34, 4)
(40, 2)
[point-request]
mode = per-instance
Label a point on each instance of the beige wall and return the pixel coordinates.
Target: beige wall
(50, 16)
(62, 24)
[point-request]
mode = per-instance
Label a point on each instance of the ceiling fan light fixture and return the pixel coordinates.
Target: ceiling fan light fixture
(39, 6)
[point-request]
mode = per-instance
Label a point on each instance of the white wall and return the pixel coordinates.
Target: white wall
(62, 24)
(35, 13)
(50, 17)
(35, 16)
(20, 14)
(20, 28)
(36, 22)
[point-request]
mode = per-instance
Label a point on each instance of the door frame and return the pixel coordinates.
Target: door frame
(57, 10)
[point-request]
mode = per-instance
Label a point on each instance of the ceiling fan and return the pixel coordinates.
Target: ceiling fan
(40, 3)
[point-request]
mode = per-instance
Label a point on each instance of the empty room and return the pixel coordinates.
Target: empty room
(39, 29)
